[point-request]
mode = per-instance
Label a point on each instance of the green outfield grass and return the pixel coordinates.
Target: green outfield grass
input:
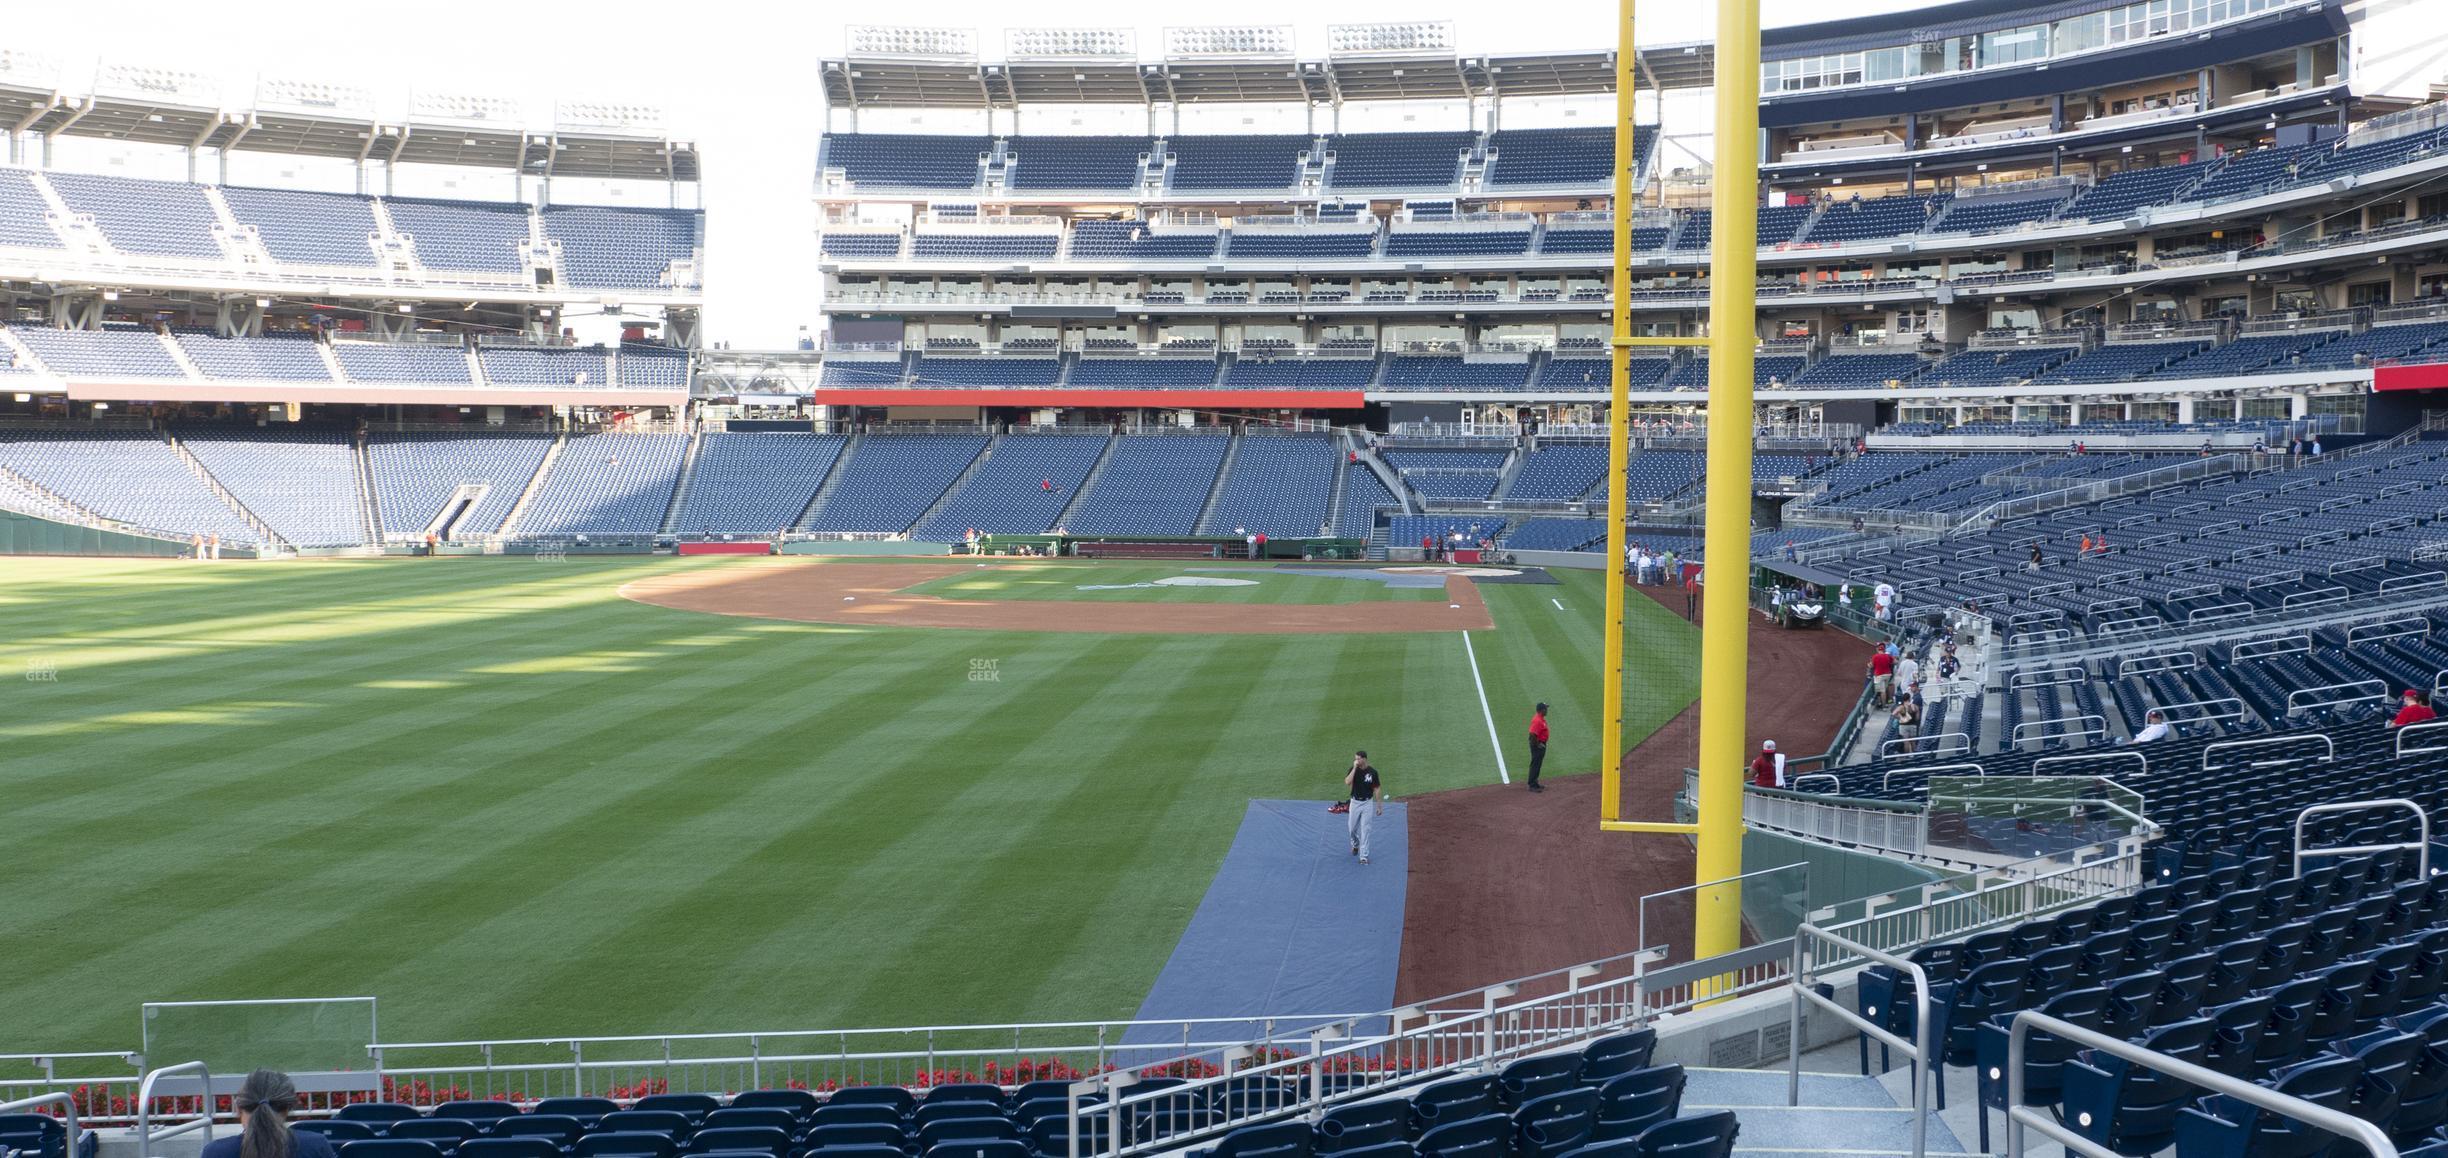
(508, 802)
(1121, 581)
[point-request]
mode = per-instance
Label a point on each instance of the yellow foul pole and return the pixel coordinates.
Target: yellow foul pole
(1619, 425)
(1733, 322)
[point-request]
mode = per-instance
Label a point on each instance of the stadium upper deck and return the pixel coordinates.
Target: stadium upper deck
(2202, 163)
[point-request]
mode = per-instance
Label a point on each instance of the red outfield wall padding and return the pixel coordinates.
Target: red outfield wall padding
(1218, 399)
(2430, 377)
(726, 548)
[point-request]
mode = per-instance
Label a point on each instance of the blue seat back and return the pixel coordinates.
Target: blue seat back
(335, 1130)
(588, 1111)
(800, 1103)
(557, 1129)
(475, 1111)
(770, 1139)
(1617, 1054)
(1709, 1135)
(525, 1146)
(1363, 1125)
(1486, 1136)
(376, 1112)
(1275, 1140)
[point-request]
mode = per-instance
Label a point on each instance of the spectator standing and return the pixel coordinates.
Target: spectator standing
(1260, 553)
(1768, 768)
(1367, 791)
(1691, 595)
(1538, 745)
(1908, 671)
(1882, 678)
(1883, 599)
(1908, 718)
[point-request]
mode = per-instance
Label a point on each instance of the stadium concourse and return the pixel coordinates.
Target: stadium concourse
(920, 743)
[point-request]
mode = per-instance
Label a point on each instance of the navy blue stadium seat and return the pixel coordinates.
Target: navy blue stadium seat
(1554, 1124)
(1274, 1140)
(2125, 1107)
(376, 1112)
(980, 1128)
(1452, 1100)
(524, 1146)
(957, 1108)
(963, 1092)
(825, 1137)
(978, 1148)
(557, 1129)
(392, 1148)
(2225, 1127)
(764, 1139)
(1531, 1078)
(734, 1116)
(1709, 1135)
(588, 1111)
(1485, 1136)
(692, 1106)
(897, 1097)
(625, 1144)
(1638, 1100)
(1363, 1125)
(1616, 1055)
(475, 1111)
(800, 1103)
(670, 1123)
(332, 1129)
(857, 1114)
(872, 1150)
(447, 1133)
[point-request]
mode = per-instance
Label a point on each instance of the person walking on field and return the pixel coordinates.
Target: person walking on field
(1367, 791)
(1538, 745)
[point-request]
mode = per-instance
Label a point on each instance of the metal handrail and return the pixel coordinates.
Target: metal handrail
(145, 1137)
(1918, 1049)
(1912, 744)
(2077, 757)
(1830, 777)
(2421, 847)
(1933, 770)
(2020, 1116)
(2426, 727)
(2377, 690)
(2329, 756)
(2101, 728)
(66, 1102)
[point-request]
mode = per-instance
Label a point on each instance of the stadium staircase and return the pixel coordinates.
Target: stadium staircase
(1394, 482)
(1505, 474)
(1232, 450)
(196, 466)
(77, 231)
(239, 241)
(1334, 494)
(1841, 1114)
(178, 354)
(361, 460)
(1088, 484)
(959, 484)
(680, 490)
(518, 511)
(824, 490)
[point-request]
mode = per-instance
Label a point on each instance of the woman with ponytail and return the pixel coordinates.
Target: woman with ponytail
(264, 1104)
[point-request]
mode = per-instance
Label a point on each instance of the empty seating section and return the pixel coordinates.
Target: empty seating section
(1878, 217)
(1300, 373)
(1099, 164)
(983, 244)
(24, 215)
(754, 484)
(862, 245)
(1988, 215)
(301, 483)
(332, 229)
(1367, 162)
(463, 236)
(861, 372)
(402, 362)
(1252, 163)
(620, 247)
(2396, 343)
(290, 357)
(1277, 484)
(1557, 535)
(906, 161)
(152, 218)
(1996, 367)
(643, 366)
(1860, 370)
(1559, 471)
(1556, 158)
(610, 484)
(930, 370)
(1557, 239)
(1766, 370)
(1777, 224)
(1443, 473)
(1320, 245)
(2275, 351)
(1364, 495)
(1437, 372)
(112, 352)
(416, 476)
(2254, 171)
(1137, 241)
(1458, 242)
(1152, 484)
(888, 480)
(2116, 195)
(1020, 488)
(2120, 362)
(1146, 373)
(543, 365)
(131, 476)
(1657, 475)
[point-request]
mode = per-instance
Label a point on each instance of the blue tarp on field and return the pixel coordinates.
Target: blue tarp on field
(1292, 925)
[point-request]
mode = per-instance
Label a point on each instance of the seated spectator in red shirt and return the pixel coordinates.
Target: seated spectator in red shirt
(2416, 710)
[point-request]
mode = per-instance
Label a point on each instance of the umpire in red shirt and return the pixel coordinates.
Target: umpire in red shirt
(1538, 745)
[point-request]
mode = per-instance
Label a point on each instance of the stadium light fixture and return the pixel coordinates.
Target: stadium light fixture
(314, 96)
(32, 69)
(898, 40)
(1400, 36)
(1243, 40)
(176, 86)
(1070, 43)
(480, 108)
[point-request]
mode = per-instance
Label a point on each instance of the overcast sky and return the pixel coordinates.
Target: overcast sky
(736, 77)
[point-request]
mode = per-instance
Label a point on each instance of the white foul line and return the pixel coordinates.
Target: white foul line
(1558, 602)
(1484, 713)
